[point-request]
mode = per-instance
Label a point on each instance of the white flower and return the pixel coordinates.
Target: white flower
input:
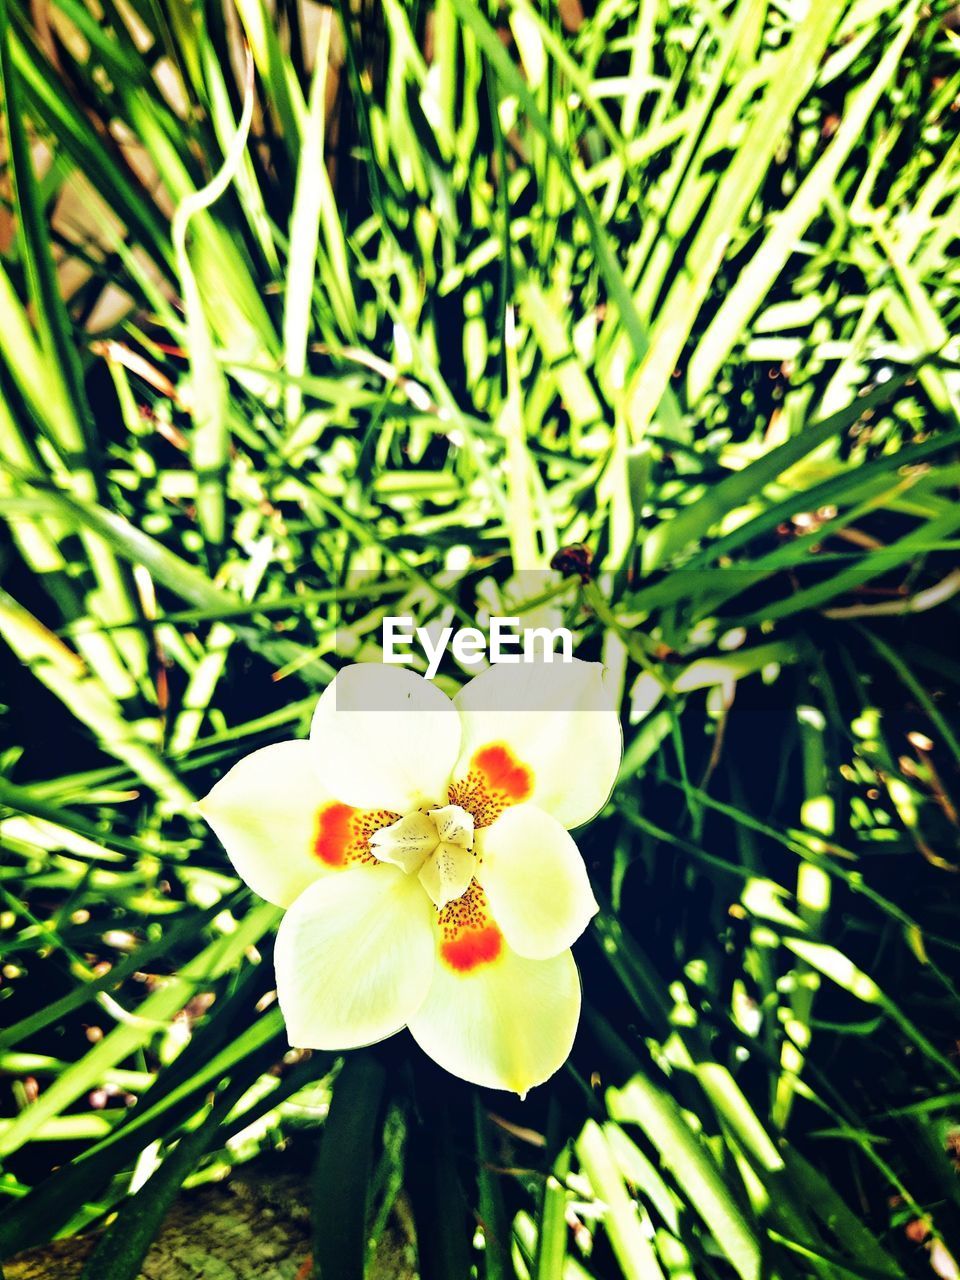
(420, 847)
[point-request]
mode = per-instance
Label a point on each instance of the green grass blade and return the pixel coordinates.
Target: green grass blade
(758, 277)
(210, 443)
(641, 1103)
(633, 1249)
(340, 1184)
(735, 490)
(796, 70)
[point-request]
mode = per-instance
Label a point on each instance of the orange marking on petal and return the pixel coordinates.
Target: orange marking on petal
(334, 834)
(504, 772)
(495, 780)
(343, 833)
(469, 938)
(473, 948)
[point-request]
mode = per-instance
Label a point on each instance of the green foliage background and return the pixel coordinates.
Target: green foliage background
(409, 297)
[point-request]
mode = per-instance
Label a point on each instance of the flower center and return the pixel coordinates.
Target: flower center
(436, 845)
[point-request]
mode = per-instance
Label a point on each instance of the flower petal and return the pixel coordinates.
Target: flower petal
(266, 812)
(355, 955)
(543, 732)
(505, 1022)
(385, 737)
(447, 873)
(535, 881)
(406, 843)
